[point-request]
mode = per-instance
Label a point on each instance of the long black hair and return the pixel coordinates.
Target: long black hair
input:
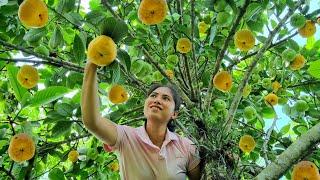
(176, 98)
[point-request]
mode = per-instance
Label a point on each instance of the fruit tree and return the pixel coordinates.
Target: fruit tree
(248, 72)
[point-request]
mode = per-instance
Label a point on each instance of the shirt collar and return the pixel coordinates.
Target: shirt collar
(142, 133)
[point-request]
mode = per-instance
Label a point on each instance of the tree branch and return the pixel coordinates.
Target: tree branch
(291, 155)
(43, 57)
(306, 83)
(52, 63)
(223, 50)
(238, 95)
(265, 143)
(51, 145)
(254, 53)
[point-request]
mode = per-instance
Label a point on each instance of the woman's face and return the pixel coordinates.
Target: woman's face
(159, 105)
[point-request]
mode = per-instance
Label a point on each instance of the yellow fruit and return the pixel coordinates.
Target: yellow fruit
(28, 76)
(33, 13)
(21, 147)
(170, 73)
(247, 143)
(73, 156)
(202, 26)
(276, 86)
(102, 50)
(114, 166)
(223, 81)
(305, 170)
(298, 62)
(244, 40)
(184, 45)
(152, 11)
(271, 99)
(118, 94)
(308, 30)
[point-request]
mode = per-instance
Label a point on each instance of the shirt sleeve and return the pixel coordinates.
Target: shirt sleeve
(120, 136)
(193, 155)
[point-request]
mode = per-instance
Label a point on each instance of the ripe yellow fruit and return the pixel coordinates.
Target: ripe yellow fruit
(308, 30)
(276, 86)
(244, 40)
(118, 94)
(21, 147)
(305, 170)
(28, 76)
(184, 45)
(102, 50)
(223, 81)
(271, 99)
(298, 62)
(73, 156)
(152, 11)
(33, 13)
(247, 143)
(114, 166)
(202, 26)
(170, 73)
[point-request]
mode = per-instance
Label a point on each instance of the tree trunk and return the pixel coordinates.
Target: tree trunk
(291, 155)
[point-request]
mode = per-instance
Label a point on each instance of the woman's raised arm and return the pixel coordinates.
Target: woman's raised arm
(102, 128)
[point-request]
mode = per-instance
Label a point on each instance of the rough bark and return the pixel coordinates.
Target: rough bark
(291, 155)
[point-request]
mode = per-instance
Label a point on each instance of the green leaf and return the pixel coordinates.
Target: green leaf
(48, 95)
(293, 45)
(25, 99)
(273, 23)
(310, 42)
(61, 128)
(285, 129)
(114, 28)
(56, 174)
(18, 90)
(213, 32)
(34, 35)
(65, 6)
(64, 109)
(42, 50)
(124, 58)
(253, 10)
(95, 17)
(268, 113)
(300, 129)
(261, 39)
(314, 69)
(79, 49)
(115, 72)
(56, 38)
(74, 18)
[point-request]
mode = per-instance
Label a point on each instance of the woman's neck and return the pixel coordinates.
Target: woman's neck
(156, 133)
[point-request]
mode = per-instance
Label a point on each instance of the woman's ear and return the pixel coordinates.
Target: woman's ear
(175, 115)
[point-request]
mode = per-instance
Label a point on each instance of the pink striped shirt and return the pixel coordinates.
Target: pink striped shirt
(140, 159)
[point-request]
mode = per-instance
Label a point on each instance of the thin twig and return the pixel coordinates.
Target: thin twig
(267, 138)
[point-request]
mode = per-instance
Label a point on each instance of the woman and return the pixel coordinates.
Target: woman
(147, 152)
